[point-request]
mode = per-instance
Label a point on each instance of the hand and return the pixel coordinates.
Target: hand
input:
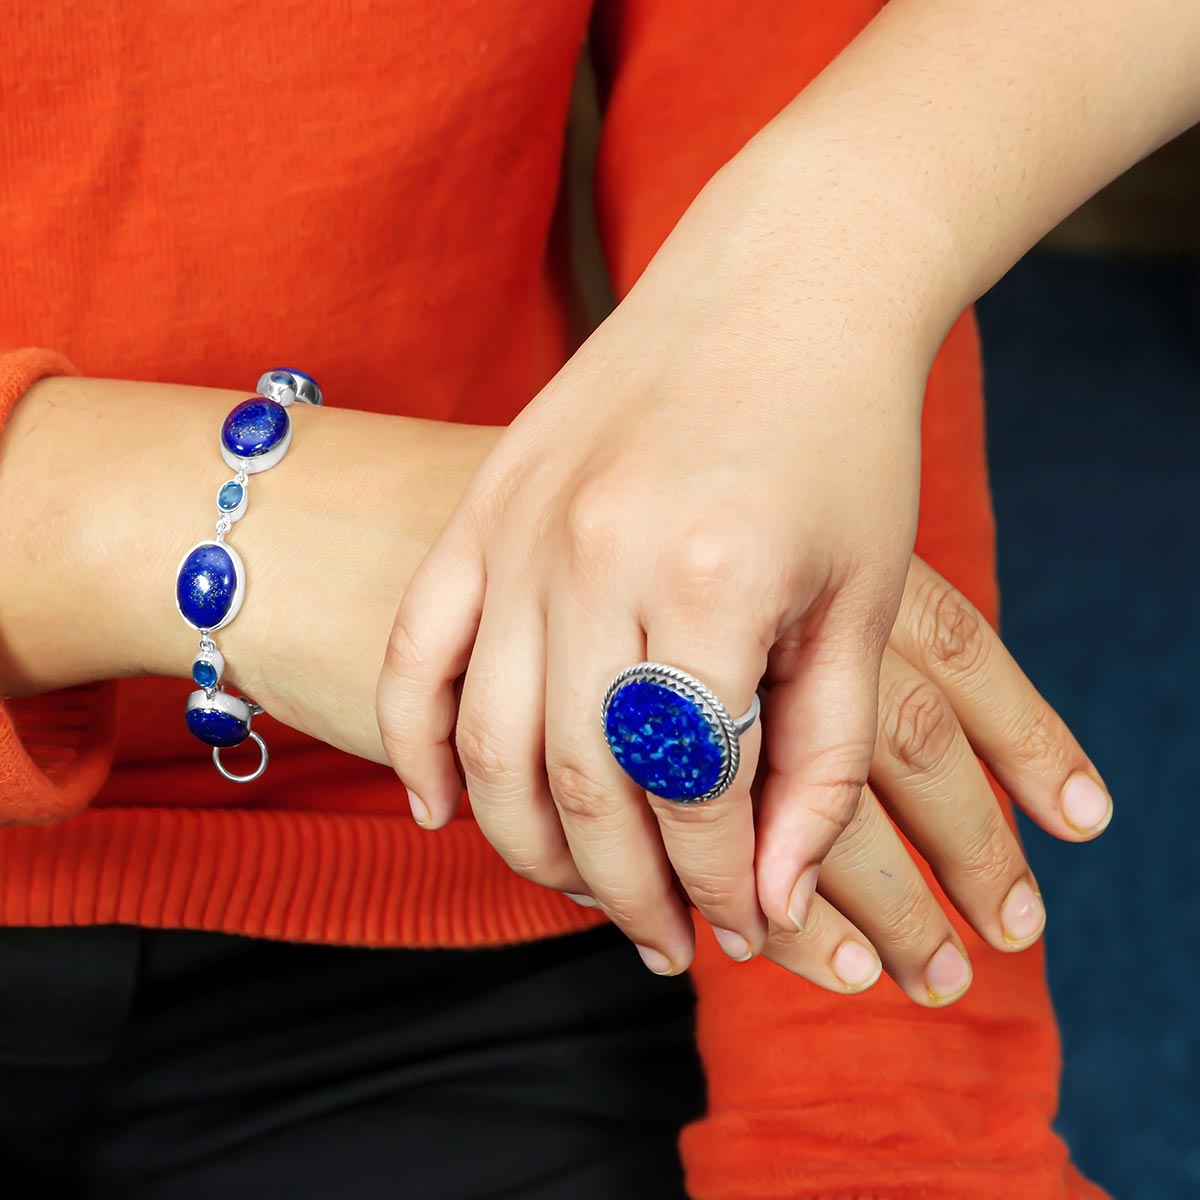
(949, 690)
(695, 497)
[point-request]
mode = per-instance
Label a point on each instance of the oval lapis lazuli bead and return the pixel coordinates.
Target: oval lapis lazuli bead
(254, 427)
(217, 728)
(206, 585)
(663, 741)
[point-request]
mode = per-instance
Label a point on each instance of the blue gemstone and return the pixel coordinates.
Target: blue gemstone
(663, 741)
(217, 728)
(254, 427)
(204, 673)
(206, 585)
(230, 496)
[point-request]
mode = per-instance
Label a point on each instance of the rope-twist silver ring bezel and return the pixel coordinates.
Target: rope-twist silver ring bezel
(688, 687)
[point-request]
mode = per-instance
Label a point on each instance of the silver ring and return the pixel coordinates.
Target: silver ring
(253, 775)
(671, 734)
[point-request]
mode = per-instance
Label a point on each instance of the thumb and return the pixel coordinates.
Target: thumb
(819, 737)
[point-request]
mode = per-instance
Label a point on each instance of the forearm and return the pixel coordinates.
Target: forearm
(947, 139)
(104, 485)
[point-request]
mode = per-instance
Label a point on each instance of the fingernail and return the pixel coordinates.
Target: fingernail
(659, 963)
(582, 901)
(947, 974)
(856, 966)
(419, 811)
(800, 901)
(1023, 915)
(1085, 804)
(733, 944)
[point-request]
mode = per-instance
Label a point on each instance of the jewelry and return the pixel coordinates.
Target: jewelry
(210, 582)
(671, 735)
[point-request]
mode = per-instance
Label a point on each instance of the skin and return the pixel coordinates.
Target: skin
(140, 495)
(725, 477)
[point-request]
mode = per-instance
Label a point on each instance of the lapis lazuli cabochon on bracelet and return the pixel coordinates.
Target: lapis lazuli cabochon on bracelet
(210, 583)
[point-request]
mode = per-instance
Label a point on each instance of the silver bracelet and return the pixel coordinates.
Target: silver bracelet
(211, 580)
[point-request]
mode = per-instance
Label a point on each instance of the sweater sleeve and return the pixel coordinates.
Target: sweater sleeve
(55, 750)
(812, 1095)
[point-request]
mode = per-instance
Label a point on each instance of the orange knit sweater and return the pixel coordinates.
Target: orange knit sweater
(396, 163)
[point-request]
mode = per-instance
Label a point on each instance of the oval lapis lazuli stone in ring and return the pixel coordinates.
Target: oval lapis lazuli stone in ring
(256, 434)
(209, 585)
(665, 742)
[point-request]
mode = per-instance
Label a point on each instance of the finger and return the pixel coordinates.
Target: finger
(830, 951)
(932, 784)
(611, 831)
(871, 878)
(819, 727)
(501, 742)
(711, 844)
(428, 649)
(1021, 738)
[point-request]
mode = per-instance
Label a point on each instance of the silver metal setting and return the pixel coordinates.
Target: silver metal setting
(261, 462)
(239, 590)
(237, 707)
(213, 656)
(286, 385)
(727, 730)
(233, 514)
(250, 776)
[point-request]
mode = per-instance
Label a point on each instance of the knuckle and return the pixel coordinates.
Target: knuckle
(917, 727)
(577, 794)
(1039, 740)
(591, 524)
(836, 795)
(404, 654)
(990, 856)
(555, 874)
(709, 892)
(484, 754)
(950, 628)
(702, 566)
(907, 923)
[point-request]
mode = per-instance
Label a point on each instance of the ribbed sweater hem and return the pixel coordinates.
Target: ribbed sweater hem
(307, 877)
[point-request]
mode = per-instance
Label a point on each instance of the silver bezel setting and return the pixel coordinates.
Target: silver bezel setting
(239, 588)
(304, 388)
(213, 656)
(234, 514)
(261, 462)
(714, 713)
(232, 706)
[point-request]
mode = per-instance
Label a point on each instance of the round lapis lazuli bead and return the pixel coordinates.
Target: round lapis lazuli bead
(230, 496)
(254, 427)
(206, 585)
(663, 741)
(217, 728)
(204, 673)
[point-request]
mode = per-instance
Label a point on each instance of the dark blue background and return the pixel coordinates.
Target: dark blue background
(1093, 371)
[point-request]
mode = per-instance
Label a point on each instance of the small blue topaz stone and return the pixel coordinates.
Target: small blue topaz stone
(209, 585)
(231, 499)
(256, 434)
(207, 668)
(665, 742)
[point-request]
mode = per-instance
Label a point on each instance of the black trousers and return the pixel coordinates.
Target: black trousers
(195, 1066)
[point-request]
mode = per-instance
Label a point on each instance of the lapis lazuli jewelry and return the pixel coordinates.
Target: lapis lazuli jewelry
(211, 580)
(671, 735)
